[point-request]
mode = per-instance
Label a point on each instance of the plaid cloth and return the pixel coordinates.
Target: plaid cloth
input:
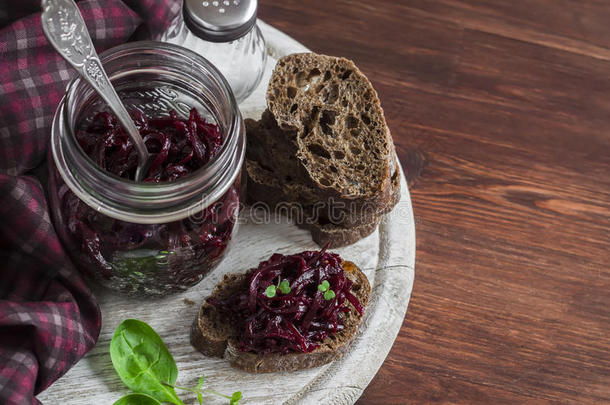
(48, 317)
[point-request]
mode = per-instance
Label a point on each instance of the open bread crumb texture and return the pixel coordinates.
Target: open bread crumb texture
(342, 135)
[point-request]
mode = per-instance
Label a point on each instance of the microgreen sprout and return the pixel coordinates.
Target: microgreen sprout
(324, 286)
(270, 291)
(199, 394)
(329, 295)
(284, 287)
(233, 398)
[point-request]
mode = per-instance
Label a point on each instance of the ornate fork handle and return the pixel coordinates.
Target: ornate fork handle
(65, 29)
(68, 34)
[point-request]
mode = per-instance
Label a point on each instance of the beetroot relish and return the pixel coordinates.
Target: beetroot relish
(299, 320)
(179, 146)
(148, 258)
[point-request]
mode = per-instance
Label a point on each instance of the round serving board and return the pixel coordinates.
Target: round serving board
(387, 257)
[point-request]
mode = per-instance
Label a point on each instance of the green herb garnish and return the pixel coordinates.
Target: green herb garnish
(144, 364)
(324, 287)
(329, 295)
(284, 287)
(235, 398)
(270, 291)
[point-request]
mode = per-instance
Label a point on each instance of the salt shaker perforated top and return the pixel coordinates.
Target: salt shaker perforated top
(225, 33)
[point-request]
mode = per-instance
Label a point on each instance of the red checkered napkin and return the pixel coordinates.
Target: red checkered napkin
(48, 317)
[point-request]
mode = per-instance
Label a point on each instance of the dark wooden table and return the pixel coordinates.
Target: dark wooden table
(500, 111)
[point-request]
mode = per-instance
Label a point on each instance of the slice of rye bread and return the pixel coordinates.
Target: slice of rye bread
(213, 334)
(331, 114)
(262, 186)
(277, 158)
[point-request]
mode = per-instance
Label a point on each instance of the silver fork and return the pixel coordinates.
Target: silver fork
(64, 27)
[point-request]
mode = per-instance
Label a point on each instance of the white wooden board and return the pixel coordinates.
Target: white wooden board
(387, 256)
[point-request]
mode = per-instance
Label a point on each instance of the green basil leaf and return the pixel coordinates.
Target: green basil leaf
(143, 362)
(137, 399)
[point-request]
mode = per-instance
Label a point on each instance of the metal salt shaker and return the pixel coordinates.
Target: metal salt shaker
(225, 33)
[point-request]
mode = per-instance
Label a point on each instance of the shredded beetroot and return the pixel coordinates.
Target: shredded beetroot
(179, 145)
(299, 320)
(173, 255)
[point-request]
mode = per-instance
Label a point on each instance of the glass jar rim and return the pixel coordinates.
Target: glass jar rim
(148, 203)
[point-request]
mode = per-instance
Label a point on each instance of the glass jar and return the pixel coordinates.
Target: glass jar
(147, 238)
(225, 33)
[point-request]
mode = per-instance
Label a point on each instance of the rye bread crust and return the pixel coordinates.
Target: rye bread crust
(277, 151)
(338, 120)
(275, 176)
(323, 143)
(215, 336)
(262, 188)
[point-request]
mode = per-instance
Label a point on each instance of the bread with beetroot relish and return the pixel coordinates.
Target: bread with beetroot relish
(216, 334)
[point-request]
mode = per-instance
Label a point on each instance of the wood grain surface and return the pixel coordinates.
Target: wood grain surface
(500, 111)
